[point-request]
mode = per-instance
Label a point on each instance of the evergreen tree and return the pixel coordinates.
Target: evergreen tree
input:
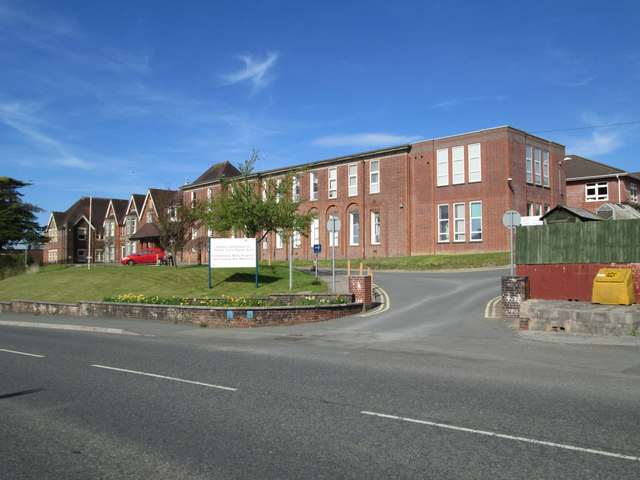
(17, 219)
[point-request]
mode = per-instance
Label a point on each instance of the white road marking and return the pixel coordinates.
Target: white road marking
(505, 436)
(165, 377)
(22, 353)
(78, 328)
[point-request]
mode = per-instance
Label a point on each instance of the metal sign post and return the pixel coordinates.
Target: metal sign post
(317, 248)
(511, 220)
(333, 225)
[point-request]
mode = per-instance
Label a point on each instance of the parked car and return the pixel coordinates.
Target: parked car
(148, 255)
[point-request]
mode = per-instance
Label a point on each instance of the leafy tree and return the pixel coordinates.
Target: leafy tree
(174, 223)
(17, 218)
(254, 207)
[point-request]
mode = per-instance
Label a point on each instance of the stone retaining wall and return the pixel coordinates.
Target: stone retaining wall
(209, 316)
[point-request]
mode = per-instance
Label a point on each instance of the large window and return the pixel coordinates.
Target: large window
(475, 219)
(442, 159)
(459, 223)
(53, 256)
(315, 231)
(457, 162)
(475, 163)
(313, 186)
(633, 192)
(295, 190)
(353, 180)
(536, 164)
(375, 227)
(333, 182)
(82, 256)
(82, 233)
(596, 191)
(529, 164)
(443, 223)
(374, 176)
(545, 168)
(354, 228)
(333, 236)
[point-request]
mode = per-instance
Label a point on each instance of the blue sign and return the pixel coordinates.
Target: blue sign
(317, 248)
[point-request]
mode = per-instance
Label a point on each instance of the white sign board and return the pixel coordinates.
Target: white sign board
(232, 252)
(530, 221)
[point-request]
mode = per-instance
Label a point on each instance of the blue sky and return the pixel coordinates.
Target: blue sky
(111, 98)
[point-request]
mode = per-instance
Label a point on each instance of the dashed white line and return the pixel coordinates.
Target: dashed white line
(164, 377)
(505, 436)
(21, 353)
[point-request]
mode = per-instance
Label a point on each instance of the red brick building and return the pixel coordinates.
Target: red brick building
(591, 184)
(446, 195)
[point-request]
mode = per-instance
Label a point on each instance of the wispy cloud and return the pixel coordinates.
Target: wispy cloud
(456, 102)
(597, 143)
(362, 140)
(255, 72)
(20, 118)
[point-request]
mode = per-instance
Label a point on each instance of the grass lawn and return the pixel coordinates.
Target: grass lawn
(61, 283)
(419, 262)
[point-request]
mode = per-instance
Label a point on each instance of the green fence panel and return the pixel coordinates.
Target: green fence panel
(588, 242)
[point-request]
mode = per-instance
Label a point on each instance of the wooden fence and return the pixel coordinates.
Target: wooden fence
(616, 241)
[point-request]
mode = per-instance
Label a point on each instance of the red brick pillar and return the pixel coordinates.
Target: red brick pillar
(362, 289)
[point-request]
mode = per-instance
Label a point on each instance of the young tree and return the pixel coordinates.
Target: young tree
(17, 218)
(175, 222)
(254, 207)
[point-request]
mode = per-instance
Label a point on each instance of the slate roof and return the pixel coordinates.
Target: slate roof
(80, 209)
(216, 172)
(164, 198)
(578, 212)
(148, 230)
(580, 167)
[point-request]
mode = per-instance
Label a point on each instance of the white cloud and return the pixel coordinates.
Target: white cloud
(598, 143)
(362, 140)
(461, 101)
(257, 73)
(21, 118)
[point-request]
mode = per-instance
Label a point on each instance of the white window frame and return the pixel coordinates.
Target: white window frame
(442, 161)
(149, 217)
(633, 192)
(457, 165)
(537, 166)
(529, 163)
(82, 233)
(332, 182)
(474, 163)
(374, 176)
(53, 256)
(459, 223)
(209, 193)
(297, 239)
(334, 240)
(545, 168)
(295, 189)
(315, 231)
(313, 185)
(444, 234)
(595, 195)
(472, 230)
(376, 229)
(354, 228)
(278, 239)
(353, 180)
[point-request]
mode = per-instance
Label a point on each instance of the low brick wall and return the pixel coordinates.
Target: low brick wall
(570, 281)
(210, 316)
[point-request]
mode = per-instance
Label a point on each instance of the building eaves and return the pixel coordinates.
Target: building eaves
(580, 168)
